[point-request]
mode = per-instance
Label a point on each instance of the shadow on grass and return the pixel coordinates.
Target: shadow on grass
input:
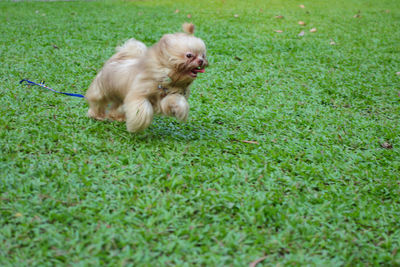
(162, 128)
(170, 129)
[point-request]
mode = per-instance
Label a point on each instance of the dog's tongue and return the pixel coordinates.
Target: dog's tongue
(201, 70)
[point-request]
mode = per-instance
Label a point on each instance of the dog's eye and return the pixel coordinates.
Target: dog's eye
(189, 55)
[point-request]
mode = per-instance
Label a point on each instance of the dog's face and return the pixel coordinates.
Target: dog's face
(184, 55)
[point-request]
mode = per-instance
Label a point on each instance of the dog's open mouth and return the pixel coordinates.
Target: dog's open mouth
(194, 71)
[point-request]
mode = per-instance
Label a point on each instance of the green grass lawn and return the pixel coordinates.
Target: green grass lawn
(291, 150)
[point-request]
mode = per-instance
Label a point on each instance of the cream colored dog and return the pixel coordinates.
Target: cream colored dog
(138, 82)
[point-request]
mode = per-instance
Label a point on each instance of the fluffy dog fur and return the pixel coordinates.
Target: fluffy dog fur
(138, 82)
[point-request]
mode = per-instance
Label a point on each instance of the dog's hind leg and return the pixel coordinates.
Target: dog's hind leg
(97, 102)
(116, 112)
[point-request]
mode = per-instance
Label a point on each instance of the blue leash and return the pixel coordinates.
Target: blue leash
(41, 84)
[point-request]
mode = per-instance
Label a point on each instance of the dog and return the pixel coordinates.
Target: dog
(138, 82)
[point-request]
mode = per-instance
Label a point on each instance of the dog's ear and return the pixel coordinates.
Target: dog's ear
(162, 45)
(188, 28)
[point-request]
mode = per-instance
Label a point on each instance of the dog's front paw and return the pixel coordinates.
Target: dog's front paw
(180, 111)
(176, 106)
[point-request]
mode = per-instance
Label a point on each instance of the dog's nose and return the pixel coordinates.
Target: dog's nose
(201, 62)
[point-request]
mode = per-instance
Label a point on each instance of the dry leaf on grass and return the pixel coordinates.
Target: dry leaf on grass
(177, 11)
(250, 142)
(236, 15)
(279, 17)
(212, 189)
(386, 145)
(332, 42)
(358, 15)
(257, 261)
(301, 23)
(301, 6)
(313, 30)
(278, 31)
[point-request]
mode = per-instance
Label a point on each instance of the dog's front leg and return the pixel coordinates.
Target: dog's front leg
(139, 113)
(175, 105)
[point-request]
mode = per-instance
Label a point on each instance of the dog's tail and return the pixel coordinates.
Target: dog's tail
(131, 49)
(188, 28)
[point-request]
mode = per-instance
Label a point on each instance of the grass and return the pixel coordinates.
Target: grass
(318, 183)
